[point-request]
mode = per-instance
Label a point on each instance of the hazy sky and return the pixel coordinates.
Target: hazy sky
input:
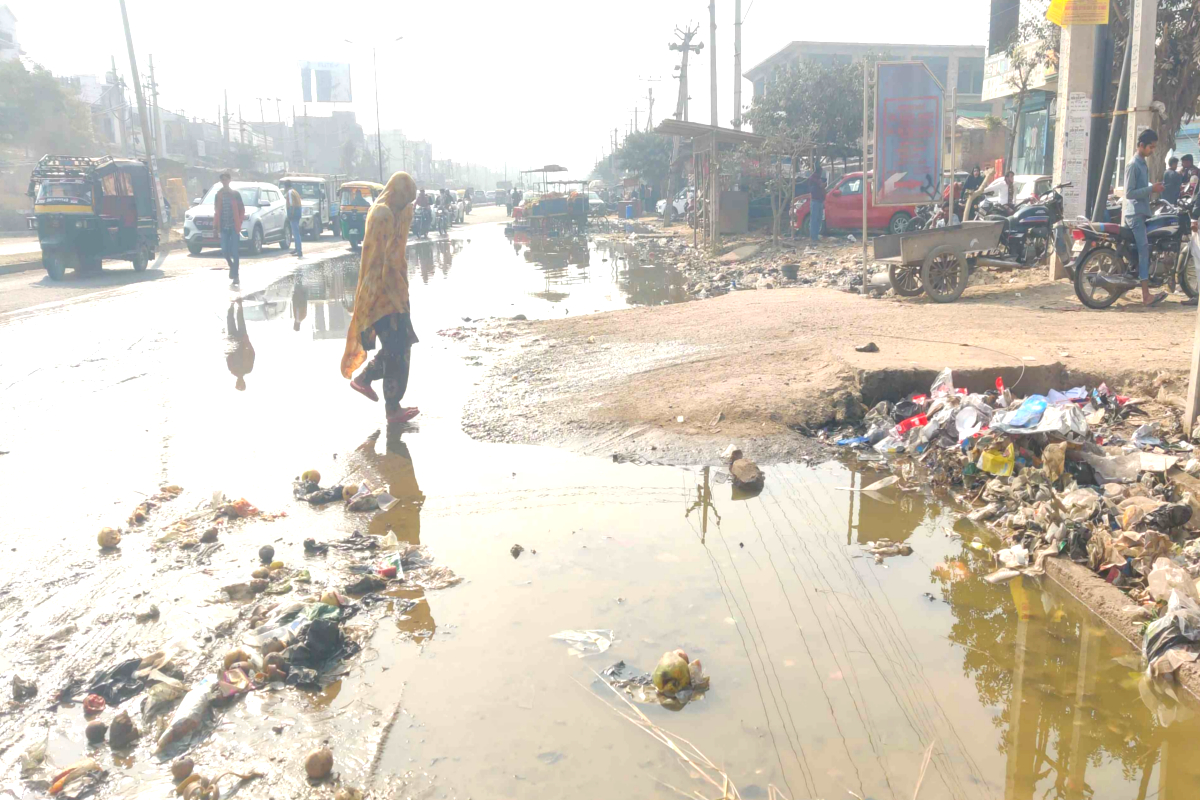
(522, 83)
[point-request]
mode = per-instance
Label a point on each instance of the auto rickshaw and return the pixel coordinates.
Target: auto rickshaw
(356, 199)
(88, 209)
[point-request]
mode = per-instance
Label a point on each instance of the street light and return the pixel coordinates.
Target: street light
(378, 133)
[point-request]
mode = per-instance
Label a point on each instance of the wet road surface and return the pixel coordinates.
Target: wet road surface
(831, 674)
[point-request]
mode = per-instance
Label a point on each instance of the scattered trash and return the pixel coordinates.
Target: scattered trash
(367, 584)
(671, 674)
(108, 538)
(1002, 576)
(209, 536)
(310, 476)
(95, 731)
(516, 550)
(147, 613)
(72, 773)
(22, 689)
(266, 554)
(318, 764)
(93, 704)
(869, 347)
(181, 768)
(189, 716)
(642, 688)
(585, 643)
(1170, 641)
(313, 547)
(122, 731)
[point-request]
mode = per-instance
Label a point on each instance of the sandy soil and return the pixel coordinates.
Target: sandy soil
(670, 383)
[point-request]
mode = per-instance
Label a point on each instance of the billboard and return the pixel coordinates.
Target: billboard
(325, 82)
(1078, 12)
(909, 129)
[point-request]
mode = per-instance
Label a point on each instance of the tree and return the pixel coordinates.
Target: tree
(647, 155)
(1032, 48)
(604, 171)
(41, 114)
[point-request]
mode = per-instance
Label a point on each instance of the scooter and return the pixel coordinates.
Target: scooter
(1107, 265)
(422, 219)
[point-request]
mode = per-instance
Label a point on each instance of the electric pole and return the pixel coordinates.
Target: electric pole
(737, 64)
(155, 114)
(712, 58)
(650, 112)
(141, 101)
(685, 46)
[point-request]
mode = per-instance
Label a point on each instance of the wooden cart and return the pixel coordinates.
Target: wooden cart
(937, 261)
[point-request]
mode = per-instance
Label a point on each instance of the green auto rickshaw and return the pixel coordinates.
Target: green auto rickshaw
(86, 210)
(356, 198)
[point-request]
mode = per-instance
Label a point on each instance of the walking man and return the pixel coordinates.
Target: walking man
(229, 213)
(1136, 208)
(294, 209)
(816, 205)
(381, 309)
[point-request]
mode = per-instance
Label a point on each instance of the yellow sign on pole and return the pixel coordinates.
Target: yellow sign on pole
(1078, 12)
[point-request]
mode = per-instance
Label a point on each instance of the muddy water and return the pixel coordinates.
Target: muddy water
(831, 674)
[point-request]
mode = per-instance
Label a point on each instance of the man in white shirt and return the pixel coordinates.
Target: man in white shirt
(1006, 191)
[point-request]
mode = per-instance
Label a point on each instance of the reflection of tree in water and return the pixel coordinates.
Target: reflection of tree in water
(1065, 702)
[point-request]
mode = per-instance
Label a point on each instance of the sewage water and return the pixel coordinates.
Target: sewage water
(832, 676)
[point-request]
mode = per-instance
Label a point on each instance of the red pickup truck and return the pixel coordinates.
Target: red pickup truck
(843, 208)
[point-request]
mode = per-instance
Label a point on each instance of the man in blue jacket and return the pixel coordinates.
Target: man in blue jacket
(1136, 208)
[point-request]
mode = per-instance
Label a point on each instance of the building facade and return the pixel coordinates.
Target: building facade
(1033, 153)
(10, 48)
(957, 67)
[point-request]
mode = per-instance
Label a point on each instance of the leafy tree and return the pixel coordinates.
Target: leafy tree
(1032, 48)
(604, 171)
(647, 155)
(41, 114)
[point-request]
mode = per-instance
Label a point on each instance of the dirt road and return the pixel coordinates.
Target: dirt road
(756, 364)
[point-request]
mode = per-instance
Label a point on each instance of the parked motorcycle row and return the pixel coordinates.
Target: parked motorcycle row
(1101, 257)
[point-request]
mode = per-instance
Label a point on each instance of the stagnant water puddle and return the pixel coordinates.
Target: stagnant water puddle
(831, 675)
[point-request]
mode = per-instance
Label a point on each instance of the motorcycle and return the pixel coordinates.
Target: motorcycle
(441, 220)
(922, 218)
(1026, 234)
(1108, 260)
(422, 219)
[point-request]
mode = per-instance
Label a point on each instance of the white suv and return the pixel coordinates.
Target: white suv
(266, 218)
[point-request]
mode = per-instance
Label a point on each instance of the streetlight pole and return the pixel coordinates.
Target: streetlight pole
(378, 125)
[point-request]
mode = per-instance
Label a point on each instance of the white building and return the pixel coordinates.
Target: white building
(9, 48)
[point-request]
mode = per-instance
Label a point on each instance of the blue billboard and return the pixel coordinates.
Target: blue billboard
(909, 129)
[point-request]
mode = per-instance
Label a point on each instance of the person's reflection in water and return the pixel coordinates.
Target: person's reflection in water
(240, 357)
(299, 303)
(394, 470)
(425, 260)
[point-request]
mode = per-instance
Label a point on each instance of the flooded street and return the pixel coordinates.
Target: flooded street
(831, 675)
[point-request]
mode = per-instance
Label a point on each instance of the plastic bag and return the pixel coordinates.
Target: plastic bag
(967, 423)
(1028, 414)
(190, 715)
(943, 383)
(585, 643)
(1013, 557)
(1167, 576)
(1115, 469)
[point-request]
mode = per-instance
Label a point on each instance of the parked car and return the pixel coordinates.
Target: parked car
(266, 218)
(480, 197)
(491, 195)
(679, 203)
(1024, 186)
(843, 208)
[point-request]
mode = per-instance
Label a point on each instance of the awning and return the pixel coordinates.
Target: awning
(696, 130)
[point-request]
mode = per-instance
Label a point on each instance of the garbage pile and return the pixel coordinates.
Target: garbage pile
(1084, 474)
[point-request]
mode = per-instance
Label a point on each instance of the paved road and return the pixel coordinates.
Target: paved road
(19, 246)
(26, 292)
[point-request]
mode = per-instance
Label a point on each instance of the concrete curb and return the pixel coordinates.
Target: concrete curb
(29, 266)
(1115, 609)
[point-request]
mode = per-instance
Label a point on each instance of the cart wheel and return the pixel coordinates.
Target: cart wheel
(906, 280)
(944, 274)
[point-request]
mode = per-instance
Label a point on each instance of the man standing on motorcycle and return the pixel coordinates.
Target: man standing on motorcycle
(1136, 208)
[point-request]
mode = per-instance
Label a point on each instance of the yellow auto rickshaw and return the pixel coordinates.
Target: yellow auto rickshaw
(86, 210)
(356, 199)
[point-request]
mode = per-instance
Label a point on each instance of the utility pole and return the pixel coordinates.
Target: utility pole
(737, 64)
(685, 46)
(141, 101)
(650, 113)
(225, 121)
(155, 114)
(282, 132)
(120, 112)
(378, 134)
(712, 58)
